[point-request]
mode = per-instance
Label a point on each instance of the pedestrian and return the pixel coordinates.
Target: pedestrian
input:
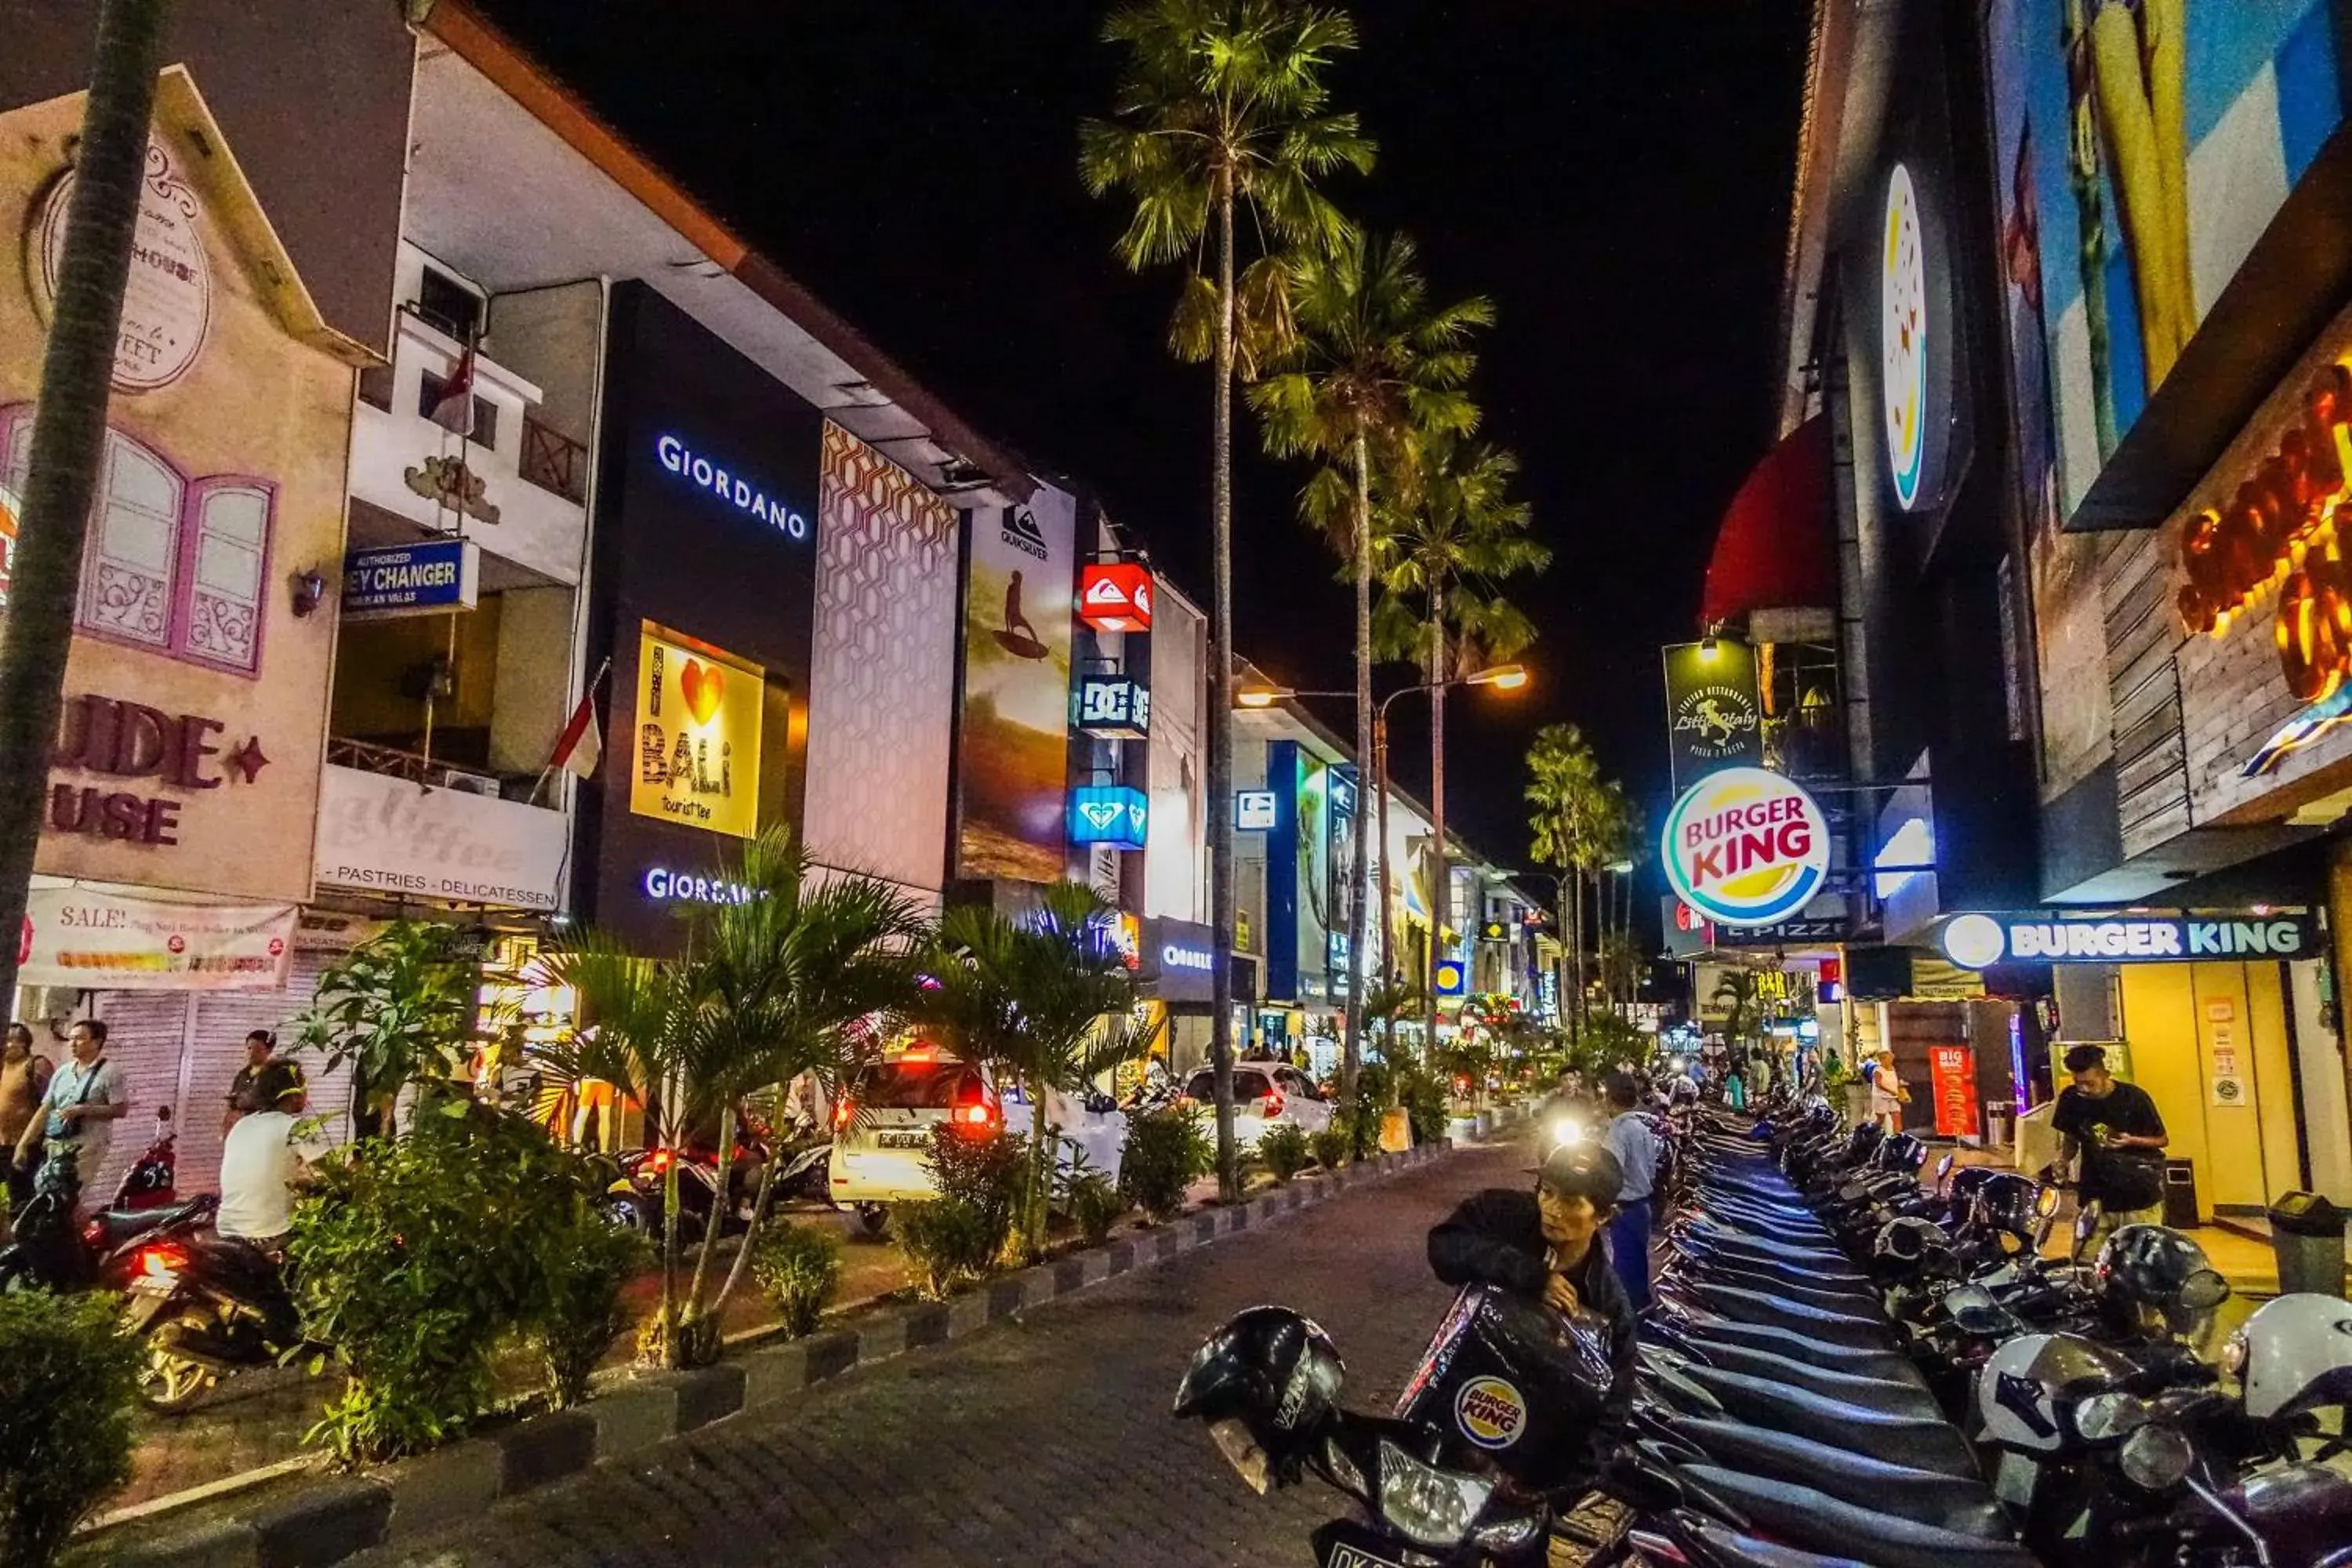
(1735, 1083)
(259, 1081)
(76, 1114)
(1629, 1139)
(24, 1079)
(2115, 1128)
(1888, 1093)
(265, 1158)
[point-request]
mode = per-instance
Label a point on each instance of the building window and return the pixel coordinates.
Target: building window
(449, 305)
(175, 566)
(375, 386)
(429, 389)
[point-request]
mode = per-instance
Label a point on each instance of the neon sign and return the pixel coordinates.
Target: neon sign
(1746, 847)
(697, 469)
(668, 886)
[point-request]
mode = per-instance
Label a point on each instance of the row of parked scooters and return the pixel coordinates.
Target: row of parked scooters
(1850, 1360)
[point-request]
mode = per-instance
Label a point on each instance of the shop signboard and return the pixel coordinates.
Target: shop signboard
(1342, 798)
(1115, 596)
(1978, 941)
(1799, 932)
(92, 940)
(1254, 811)
(1952, 1075)
(1012, 745)
(433, 578)
(1746, 847)
(696, 757)
(1453, 978)
(1116, 814)
(1114, 707)
(1688, 932)
(384, 835)
(1713, 715)
(1180, 957)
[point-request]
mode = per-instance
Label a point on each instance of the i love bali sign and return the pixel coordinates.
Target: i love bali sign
(1745, 847)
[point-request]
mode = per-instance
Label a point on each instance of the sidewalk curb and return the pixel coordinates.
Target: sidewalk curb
(336, 1517)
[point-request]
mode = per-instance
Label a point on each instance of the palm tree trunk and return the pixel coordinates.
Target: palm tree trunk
(1440, 895)
(669, 1334)
(751, 1232)
(69, 434)
(1221, 709)
(1352, 1057)
(718, 1222)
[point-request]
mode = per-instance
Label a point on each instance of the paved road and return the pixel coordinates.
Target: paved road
(1045, 1443)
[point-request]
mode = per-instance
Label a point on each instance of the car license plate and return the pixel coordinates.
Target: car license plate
(902, 1140)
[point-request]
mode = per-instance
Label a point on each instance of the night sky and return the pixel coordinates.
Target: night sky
(1615, 174)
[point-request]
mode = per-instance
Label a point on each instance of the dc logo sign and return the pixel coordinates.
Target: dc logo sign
(1746, 847)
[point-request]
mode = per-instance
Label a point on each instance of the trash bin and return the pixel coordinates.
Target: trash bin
(2308, 1234)
(2000, 1121)
(2181, 1194)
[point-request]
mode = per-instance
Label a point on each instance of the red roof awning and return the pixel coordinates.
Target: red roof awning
(1774, 550)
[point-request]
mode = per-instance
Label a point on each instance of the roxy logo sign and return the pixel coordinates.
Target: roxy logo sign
(1746, 847)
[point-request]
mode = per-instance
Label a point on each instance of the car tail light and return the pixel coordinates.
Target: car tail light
(163, 1260)
(971, 1111)
(1271, 1105)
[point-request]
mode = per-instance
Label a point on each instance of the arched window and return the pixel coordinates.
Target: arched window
(173, 565)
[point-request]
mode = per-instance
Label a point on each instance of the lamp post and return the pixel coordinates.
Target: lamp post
(1501, 678)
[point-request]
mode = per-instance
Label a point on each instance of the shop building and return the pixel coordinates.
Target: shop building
(184, 781)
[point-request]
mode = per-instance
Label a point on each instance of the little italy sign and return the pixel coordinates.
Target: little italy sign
(1745, 847)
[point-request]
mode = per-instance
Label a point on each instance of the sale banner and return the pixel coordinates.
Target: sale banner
(109, 942)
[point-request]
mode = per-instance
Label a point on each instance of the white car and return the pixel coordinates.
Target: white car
(882, 1129)
(1266, 1094)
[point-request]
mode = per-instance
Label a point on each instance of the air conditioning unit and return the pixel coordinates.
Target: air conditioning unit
(472, 784)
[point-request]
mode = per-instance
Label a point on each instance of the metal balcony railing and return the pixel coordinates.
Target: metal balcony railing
(554, 461)
(391, 763)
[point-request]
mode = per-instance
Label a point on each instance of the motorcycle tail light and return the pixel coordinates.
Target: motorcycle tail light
(163, 1260)
(843, 1111)
(93, 1234)
(659, 1161)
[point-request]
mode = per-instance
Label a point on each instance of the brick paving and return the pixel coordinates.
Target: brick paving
(1044, 1442)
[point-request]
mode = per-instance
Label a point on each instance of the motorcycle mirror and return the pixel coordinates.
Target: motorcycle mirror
(2046, 1201)
(2204, 1290)
(2157, 1457)
(2105, 1417)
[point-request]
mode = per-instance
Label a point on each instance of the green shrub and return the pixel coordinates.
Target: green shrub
(1167, 1151)
(1332, 1145)
(1284, 1151)
(412, 1259)
(799, 1266)
(946, 1242)
(1095, 1203)
(584, 1263)
(1423, 1097)
(988, 1176)
(67, 1381)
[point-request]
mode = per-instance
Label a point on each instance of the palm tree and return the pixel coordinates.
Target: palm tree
(1371, 366)
(803, 975)
(69, 433)
(1737, 991)
(1224, 113)
(1046, 1001)
(1572, 819)
(1444, 544)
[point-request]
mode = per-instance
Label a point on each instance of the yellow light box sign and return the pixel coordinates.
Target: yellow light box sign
(697, 757)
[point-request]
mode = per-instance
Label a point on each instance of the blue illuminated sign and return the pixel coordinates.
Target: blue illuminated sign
(735, 489)
(1115, 815)
(668, 886)
(426, 579)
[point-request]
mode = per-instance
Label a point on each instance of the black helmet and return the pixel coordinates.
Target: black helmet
(1584, 1170)
(1902, 1152)
(1267, 1384)
(1910, 1239)
(2011, 1200)
(2147, 1266)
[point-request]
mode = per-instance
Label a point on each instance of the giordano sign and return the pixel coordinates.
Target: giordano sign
(1980, 941)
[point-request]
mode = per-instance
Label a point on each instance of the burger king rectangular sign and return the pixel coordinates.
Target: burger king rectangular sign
(1746, 847)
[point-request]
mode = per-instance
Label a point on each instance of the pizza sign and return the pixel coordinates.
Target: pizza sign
(1746, 847)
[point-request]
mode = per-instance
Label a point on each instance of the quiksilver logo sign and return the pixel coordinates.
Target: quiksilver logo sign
(1019, 530)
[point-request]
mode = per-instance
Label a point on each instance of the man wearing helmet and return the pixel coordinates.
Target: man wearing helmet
(1547, 1244)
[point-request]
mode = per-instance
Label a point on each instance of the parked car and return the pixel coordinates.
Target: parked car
(882, 1127)
(1266, 1094)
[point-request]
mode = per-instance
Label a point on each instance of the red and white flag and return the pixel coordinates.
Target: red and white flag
(453, 409)
(582, 745)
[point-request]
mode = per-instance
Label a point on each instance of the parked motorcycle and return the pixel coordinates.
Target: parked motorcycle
(49, 1250)
(205, 1307)
(633, 1202)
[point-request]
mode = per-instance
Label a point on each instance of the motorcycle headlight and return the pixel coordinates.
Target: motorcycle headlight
(2105, 1417)
(1566, 1134)
(1429, 1506)
(2157, 1457)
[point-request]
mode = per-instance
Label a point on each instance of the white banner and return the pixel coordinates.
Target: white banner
(383, 835)
(109, 942)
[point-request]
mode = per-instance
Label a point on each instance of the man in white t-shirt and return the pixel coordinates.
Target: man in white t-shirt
(263, 1162)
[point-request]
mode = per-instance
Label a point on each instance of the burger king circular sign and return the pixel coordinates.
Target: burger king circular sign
(1745, 847)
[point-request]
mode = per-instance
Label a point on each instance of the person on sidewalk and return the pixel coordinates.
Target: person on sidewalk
(1888, 1093)
(260, 1082)
(74, 1122)
(1635, 1147)
(24, 1079)
(2115, 1128)
(265, 1159)
(1547, 1244)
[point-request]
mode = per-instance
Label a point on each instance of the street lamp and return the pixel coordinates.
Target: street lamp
(1501, 678)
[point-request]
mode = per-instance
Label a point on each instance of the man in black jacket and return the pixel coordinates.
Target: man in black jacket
(1547, 1244)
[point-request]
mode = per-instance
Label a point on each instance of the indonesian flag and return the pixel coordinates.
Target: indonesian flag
(582, 745)
(453, 409)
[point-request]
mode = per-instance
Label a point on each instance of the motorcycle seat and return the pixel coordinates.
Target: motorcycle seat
(1852, 1332)
(1788, 1285)
(122, 1225)
(1884, 1366)
(1810, 1518)
(1958, 1503)
(1908, 1440)
(1738, 1244)
(1728, 1547)
(1888, 1394)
